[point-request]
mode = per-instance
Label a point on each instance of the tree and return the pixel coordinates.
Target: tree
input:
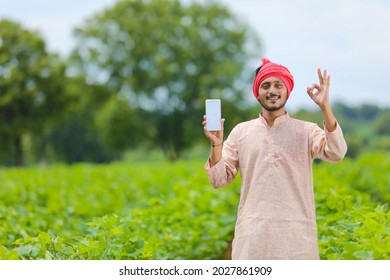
(116, 123)
(369, 112)
(166, 58)
(356, 145)
(31, 87)
(382, 124)
(76, 137)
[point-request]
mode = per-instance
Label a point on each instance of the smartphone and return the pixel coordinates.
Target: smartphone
(213, 114)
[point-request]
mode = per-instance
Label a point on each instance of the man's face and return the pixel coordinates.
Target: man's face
(272, 94)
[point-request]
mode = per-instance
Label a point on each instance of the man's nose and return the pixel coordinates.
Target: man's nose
(272, 89)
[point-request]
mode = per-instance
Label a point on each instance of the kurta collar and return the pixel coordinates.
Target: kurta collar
(277, 121)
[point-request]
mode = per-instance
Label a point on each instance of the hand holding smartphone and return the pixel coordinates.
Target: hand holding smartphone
(213, 114)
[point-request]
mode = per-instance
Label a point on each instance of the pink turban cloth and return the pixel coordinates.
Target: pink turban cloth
(271, 69)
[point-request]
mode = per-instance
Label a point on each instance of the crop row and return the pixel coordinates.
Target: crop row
(169, 211)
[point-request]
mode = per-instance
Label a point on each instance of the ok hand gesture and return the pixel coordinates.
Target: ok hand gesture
(321, 96)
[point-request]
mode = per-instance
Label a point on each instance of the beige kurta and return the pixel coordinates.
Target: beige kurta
(276, 213)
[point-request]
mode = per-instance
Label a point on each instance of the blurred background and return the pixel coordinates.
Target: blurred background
(123, 83)
(105, 80)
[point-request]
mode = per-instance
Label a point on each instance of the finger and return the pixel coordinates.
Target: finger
(327, 85)
(313, 86)
(222, 124)
(204, 123)
(320, 78)
(309, 92)
(314, 90)
(325, 76)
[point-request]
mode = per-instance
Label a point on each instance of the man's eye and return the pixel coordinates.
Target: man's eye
(278, 86)
(264, 86)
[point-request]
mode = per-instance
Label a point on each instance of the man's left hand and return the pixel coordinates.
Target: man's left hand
(321, 96)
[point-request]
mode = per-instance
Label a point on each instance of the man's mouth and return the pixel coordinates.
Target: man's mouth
(273, 97)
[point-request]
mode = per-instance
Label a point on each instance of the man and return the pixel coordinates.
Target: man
(274, 153)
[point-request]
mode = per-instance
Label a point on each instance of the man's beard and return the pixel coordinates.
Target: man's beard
(272, 109)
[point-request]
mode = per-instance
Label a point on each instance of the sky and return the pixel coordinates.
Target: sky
(349, 38)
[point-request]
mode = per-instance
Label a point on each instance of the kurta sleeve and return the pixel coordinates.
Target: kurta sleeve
(226, 169)
(328, 146)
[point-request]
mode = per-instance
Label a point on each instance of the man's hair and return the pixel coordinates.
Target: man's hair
(258, 69)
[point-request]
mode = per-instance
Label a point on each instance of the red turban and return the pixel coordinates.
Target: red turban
(270, 69)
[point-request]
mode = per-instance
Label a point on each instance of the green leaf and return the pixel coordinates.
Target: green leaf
(6, 254)
(364, 255)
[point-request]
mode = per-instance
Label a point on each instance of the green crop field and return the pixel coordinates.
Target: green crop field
(167, 210)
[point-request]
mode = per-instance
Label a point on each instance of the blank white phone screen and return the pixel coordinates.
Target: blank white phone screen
(213, 114)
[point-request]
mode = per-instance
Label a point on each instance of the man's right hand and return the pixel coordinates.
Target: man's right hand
(215, 137)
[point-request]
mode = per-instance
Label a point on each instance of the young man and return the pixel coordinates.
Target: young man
(274, 153)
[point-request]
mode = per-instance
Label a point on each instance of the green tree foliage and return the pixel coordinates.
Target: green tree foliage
(365, 127)
(310, 116)
(382, 124)
(76, 137)
(31, 88)
(166, 58)
(98, 128)
(120, 126)
(355, 145)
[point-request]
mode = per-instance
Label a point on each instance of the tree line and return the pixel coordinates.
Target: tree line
(366, 127)
(137, 78)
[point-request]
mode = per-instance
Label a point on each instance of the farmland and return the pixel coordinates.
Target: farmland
(164, 210)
